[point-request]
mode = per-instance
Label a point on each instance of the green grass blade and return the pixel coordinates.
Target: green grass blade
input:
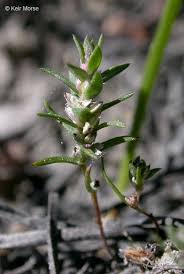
(151, 70)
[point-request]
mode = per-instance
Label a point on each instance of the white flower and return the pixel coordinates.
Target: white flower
(70, 113)
(76, 102)
(73, 101)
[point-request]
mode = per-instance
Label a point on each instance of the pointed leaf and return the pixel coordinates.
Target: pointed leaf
(58, 118)
(113, 71)
(95, 60)
(115, 123)
(80, 48)
(72, 78)
(114, 142)
(93, 88)
(70, 129)
(58, 159)
(117, 101)
(78, 72)
(132, 171)
(112, 185)
(139, 179)
(153, 172)
(88, 47)
(48, 107)
(62, 78)
(82, 113)
(100, 41)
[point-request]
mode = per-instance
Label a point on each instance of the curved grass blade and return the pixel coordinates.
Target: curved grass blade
(113, 71)
(115, 141)
(60, 119)
(117, 101)
(58, 159)
(80, 48)
(115, 123)
(62, 78)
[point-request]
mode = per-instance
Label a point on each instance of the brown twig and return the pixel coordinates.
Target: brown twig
(99, 222)
(152, 218)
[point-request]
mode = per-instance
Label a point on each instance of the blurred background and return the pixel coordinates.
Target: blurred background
(43, 38)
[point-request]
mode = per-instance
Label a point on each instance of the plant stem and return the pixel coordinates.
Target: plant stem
(99, 222)
(87, 179)
(151, 70)
(152, 218)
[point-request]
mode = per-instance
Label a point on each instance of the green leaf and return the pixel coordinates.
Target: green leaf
(58, 159)
(80, 48)
(93, 88)
(89, 152)
(117, 101)
(112, 185)
(114, 142)
(115, 123)
(78, 72)
(139, 179)
(72, 78)
(88, 47)
(58, 118)
(82, 113)
(62, 78)
(100, 41)
(113, 71)
(153, 172)
(132, 171)
(87, 179)
(95, 60)
(70, 129)
(48, 107)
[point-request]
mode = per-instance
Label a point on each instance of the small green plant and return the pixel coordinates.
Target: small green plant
(139, 173)
(151, 70)
(83, 122)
